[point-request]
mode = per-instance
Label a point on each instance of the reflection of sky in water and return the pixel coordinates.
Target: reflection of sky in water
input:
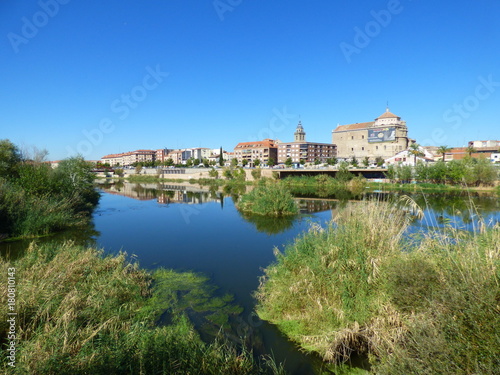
(189, 229)
(465, 219)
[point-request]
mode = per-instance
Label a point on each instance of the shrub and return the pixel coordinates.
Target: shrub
(268, 200)
(256, 173)
(359, 286)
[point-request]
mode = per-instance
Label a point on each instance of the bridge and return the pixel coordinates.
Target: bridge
(370, 173)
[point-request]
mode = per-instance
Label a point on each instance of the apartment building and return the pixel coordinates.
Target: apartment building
(301, 151)
(262, 150)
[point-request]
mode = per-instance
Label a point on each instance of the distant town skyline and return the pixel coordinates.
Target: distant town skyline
(112, 77)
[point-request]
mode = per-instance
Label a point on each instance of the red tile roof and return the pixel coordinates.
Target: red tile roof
(259, 144)
(357, 126)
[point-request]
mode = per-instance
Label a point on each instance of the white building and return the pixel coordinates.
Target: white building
(406, 158)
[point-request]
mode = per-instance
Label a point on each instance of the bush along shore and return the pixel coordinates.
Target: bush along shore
(268, 199)
(422, 305)
(80, 312)
(38, 200)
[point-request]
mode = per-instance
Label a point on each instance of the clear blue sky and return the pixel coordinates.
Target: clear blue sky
(69, 67)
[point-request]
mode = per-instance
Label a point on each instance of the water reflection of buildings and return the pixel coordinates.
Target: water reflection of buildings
(141, 192)
(309, 206)
(185, 196)
(163, 193)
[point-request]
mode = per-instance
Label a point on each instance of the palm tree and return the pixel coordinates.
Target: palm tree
(470, 150)
(443, 150)
(414, 150)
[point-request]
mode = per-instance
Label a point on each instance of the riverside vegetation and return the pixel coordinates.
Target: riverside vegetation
(413, 305)
(268, 199)
(36, 199)
(81, 312)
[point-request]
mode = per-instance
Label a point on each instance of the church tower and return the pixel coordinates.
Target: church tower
(300, 134)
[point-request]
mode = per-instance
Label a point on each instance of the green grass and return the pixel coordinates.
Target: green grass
(268, 200)
(413, 307)
(143, 178)
(28, 215)
(82, 313)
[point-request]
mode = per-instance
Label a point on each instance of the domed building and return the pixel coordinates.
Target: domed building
(384, 137)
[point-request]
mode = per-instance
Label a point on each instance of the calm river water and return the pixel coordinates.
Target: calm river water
(189, 228)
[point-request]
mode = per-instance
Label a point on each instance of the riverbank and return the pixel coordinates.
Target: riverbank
(83, 312)
(359, 287)
(36, 200)
(312, 182)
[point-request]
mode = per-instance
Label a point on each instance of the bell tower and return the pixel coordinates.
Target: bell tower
(300, 134)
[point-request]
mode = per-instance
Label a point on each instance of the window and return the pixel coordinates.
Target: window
(352, 137)
(352, 148)
(362, 149)
(362, 137)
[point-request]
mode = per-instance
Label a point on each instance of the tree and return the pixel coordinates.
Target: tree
(221, 158)
(414, 150)
(317, 161)
(169, 162)
(10, 156)
(206, 163)
(234, 162)
(244, 162)
(379, 161)
(256, 173)
(332, 161)
(366, 161)
(213, 173)
(256, 162)
(344, 174)
(138, 168)
(470, 150)
(189, 162)
(354, 161)
(443, 150)
(302, 161)
(271, 162)
(228, 174)
(288, 162)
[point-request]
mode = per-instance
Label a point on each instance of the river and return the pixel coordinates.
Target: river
(192, 228)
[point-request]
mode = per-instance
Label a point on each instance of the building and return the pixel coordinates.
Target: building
(162, 155)
(176, 156)
(384, 137)
(406, 158)
(307, 152)
(129, 158)
(263, 150)
(458, 153)
(495, 145)
(200, 153)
